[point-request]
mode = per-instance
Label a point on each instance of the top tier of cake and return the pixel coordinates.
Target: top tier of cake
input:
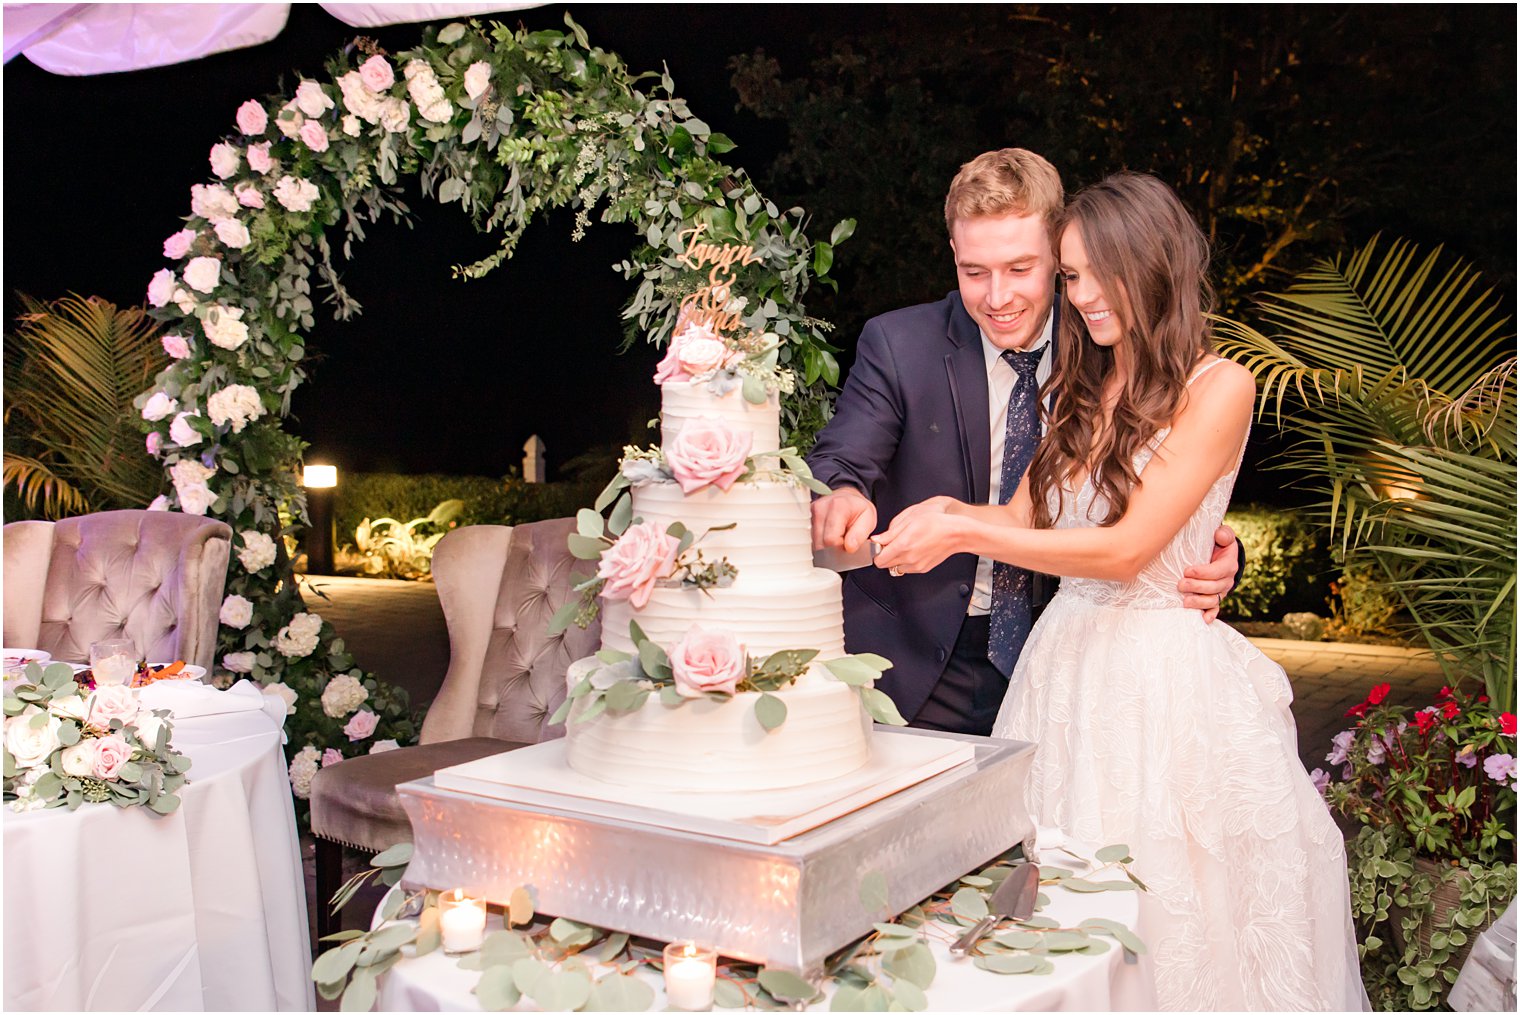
(683, 401)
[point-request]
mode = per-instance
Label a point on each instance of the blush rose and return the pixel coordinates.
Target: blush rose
(708, 452)
(704, 662)
(643, 554)
(111, 753)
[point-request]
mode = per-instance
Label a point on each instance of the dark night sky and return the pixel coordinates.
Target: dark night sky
(436, 374)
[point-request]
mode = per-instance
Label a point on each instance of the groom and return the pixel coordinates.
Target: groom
(941, 401)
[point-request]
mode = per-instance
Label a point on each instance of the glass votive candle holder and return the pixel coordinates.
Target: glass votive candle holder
(113, 661)
(691, 973)
(461, 921)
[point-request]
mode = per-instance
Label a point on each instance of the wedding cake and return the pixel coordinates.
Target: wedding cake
(722, 663)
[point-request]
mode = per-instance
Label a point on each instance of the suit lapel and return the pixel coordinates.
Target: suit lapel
(966, 366)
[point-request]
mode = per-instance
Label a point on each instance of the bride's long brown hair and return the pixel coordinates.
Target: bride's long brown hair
(1141, 244)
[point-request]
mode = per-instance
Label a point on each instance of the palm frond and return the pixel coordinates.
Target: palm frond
(41, 490)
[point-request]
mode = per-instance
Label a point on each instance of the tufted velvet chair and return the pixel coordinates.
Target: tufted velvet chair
(153, 576)
(499, 586)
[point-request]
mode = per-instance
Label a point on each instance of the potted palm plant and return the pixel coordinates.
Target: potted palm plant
(1395, 369)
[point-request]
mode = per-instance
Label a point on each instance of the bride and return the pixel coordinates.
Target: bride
(1151, 727)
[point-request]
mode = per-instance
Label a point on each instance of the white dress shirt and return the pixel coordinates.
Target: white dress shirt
(1001, 380)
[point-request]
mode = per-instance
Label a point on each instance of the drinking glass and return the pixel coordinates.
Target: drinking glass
(113, 661)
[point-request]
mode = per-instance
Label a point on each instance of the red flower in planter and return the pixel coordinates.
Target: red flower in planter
(1450, 710)
(1377, 694)
(1423, 721)
(1507, 723)
(1357, 710)
(1446, 692)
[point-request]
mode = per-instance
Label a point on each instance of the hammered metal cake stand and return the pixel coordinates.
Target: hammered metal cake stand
(790, 904)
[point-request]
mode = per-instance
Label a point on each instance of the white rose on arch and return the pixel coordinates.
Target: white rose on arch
(477, 80)
(182, 433)
(298, 639)
(236, 612)
(311, 99)
(158, 407)
(224, 160)
(257, 551)
(224, 326)
(161, 287)
(196, 499)
(233, 233)
(296, 194)
(203, 273)
(212, 202)
(239, 662)
(285, 693)
(237, 404)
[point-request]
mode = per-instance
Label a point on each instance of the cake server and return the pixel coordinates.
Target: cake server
(1014, 898)
(836, 558)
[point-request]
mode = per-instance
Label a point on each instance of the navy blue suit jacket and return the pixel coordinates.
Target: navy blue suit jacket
(911, 423)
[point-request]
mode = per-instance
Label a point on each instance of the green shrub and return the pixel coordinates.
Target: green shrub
(1362, 600)
(505, 501)
(1286, 565)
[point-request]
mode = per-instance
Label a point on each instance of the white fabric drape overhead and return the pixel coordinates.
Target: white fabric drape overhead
(81, 39)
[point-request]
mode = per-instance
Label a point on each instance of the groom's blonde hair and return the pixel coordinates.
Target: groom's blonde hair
(1008, 181)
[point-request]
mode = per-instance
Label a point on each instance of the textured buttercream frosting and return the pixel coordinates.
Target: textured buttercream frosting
(683, 401)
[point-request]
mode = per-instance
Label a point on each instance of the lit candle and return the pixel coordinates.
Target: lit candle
(461, 921)
(690, 974)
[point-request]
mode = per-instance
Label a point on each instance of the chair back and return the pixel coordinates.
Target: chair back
(155, 577)
(500, 586)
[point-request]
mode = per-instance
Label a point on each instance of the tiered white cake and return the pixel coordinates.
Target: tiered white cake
(777, 601)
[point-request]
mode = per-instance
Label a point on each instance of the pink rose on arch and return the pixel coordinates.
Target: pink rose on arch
(376, 73)
(708, 452)
(111, 753)
(251, 118)
(248, 195)
(161, 287)
(315, 135)
(224, 160)
(155, 443)
(705, 662)
(258, 157)
(643, 554)
(362, 724)
(177, 346)
(178, 245)
(331, 756)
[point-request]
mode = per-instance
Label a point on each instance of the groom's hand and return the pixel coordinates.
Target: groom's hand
(843, 519)
(1204, 586)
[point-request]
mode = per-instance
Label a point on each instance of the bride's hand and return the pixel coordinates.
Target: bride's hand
(932, 506)
(918, 540)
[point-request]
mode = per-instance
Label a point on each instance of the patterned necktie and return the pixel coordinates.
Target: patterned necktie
(1009, 624)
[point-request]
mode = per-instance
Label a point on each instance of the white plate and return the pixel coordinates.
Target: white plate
(16, 658)
(191, 671)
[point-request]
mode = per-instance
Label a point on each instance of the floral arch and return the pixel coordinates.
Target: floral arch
(503, 123)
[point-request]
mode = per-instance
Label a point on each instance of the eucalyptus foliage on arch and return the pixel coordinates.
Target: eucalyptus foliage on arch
(505, 124)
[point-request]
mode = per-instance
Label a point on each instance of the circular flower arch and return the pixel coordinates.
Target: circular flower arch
(505, 124)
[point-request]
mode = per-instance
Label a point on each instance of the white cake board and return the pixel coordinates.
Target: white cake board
(542, 776)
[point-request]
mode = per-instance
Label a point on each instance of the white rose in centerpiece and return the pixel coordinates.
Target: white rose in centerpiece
(237, 404)
(212, 203)
(114, 701)
(257, 551)
(232, 233)
(161, 287)
(235, 612)
(704, 662)
(311, 99)
(79, 760)
(306, 763)
(70, 707)
(248, 196)
(239, 662)
(224, 160)
(285, 693)
(251, 118)
(159, 406)
(395, 115)
(224, 326)
(629, 568)
(182, 433)
(708, 451)
(298, 639)
(259, 159)
(342, 695)
(203, 273)
(296, 194)
(31, 746)
(477, 79)
(148, 726)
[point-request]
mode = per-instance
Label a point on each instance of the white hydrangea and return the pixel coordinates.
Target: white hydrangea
(342, 695)
(358, 99)
(239, 662)
(305, 765)
(257, 551)
(427, 93)
(298, 638)
(236, 612)
(213, 202)
(237, 404)
(224, 326)
(296, 194)
(189, 472)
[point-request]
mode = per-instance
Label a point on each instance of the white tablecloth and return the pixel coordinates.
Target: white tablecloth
(1079, 982)
(205, 909)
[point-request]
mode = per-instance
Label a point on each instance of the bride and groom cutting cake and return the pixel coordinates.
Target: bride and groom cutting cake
(1009, 432)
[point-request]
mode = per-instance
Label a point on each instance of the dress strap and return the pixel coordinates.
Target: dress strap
(1203, 370)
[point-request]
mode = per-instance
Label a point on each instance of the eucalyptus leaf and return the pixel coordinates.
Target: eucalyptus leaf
(754, 391)
(894, 929)
(770, 711)
(334, 964)
(916, 965)
(849, 670)
(615, 992)
(1022, 939)
(584, 547)
(968, 904)
(360, 995)
(589, 523)
(398, 855)
(728, 994)
(569, 933)
(497, 990)
(527, 972)
(1008, 965)
(881, 708)
(1117, 853)
(786, 986)
(608, 950)
(910, 995)
(622, 515)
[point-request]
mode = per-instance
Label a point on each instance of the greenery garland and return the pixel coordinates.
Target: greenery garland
(505, 124)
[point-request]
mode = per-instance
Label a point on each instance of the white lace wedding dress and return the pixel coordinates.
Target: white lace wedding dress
(1157, 730)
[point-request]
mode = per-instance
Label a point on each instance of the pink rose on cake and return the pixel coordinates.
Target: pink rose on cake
(708, 451)
(704, 662)
(643, 554)
(694, 351)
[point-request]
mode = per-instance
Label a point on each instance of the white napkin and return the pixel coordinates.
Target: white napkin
(190, 699)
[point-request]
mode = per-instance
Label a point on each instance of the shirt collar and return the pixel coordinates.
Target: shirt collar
(994, 355)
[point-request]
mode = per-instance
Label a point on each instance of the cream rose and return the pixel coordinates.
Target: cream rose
(148, 725)
(357, 98)
(115, 701)
(477, 79)
(212, 203)
(289, 120)
(236, 612)
(79, 760)
(182, 433)
(238, 662)
(161, 287)
(188, 472)
(361, 725)
(700, 356)
(395, 114)
(178, 245)
(224, 326)
(251, 118)
(342, 695)
(111, 753)
(232, 233)
(704, 662)
(376, 73)
(224, 160)
(257, 551)
(296, 194)
(158, 406)
(196, 499)
(283, 692)
(30, 745)
(643, 554)
(299, 638)
(203, 273)
(707, 452)
(311, 99)
(259, 159)
(351, 125)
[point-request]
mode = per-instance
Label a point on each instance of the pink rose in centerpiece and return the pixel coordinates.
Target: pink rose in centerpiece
(315, 135)
(708, 451)
(111, 752)
(258, 157)
(178, 245)
(251, 118)
(376, 73)
(113, 702)
(643, 554)
(361, 725)
(707, 661)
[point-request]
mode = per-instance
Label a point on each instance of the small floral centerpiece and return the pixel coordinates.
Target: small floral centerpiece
(1434, 862)
(66, 745)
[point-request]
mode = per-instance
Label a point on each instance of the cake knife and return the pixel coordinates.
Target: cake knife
(837, 558)
(1014, 898)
